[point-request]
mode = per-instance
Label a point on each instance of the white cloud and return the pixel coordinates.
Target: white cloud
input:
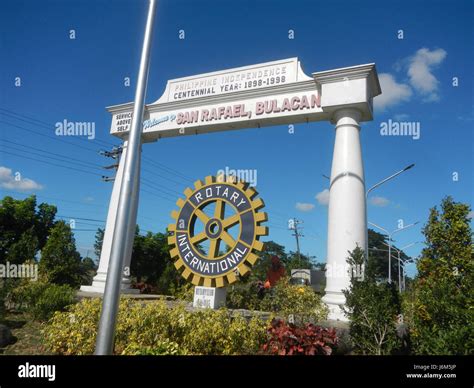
(393, 92)
(470, 215)
(323, 197)
(16, 182)
(88, 199)
(304, 207)
(401, 117)
(379, 201)
(420, 68)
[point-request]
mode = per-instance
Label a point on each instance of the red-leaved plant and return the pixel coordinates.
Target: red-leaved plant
(145, 288)
(288, 339)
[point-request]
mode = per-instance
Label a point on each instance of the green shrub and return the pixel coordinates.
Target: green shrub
(53, 298)
(408, 307)
(184, 292)
(155, 328)
(41, 299)
(372, 309)
(25, 294)
(302, 302)
(74, 331)
(443, 313)
(160, 348)
(284, 299)
(244, 296)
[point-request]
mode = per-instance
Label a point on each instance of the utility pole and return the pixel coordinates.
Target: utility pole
(115, 153)
(294, 226)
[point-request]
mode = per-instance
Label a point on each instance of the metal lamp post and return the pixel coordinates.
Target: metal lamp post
(367, 196)
(401, 261)
(389, 235)
(125, 218)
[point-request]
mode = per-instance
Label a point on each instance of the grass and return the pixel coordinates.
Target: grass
(26, 333)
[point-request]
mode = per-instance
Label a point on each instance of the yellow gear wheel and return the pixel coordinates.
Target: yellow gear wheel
(208, 214)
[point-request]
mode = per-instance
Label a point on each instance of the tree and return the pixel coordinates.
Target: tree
(147, 259)
(23, 228)
(87, 270)
(371, 307)
(60, 262)
(444, 307)
(16, 217)
(297, 261)
(260, 269)
(99, 240)
(44, 222)
(151, 262)
(24, 249)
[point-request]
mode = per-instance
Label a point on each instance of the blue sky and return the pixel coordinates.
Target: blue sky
(75, 79)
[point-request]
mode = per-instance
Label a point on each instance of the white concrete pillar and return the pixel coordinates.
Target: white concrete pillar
(347, 208)
(98, 283)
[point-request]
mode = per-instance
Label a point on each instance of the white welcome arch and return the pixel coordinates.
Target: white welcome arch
(271, 93)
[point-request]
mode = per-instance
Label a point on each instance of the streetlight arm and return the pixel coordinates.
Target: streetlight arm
(405, 227)
(392, 247)
(385, 230)
(387, 179)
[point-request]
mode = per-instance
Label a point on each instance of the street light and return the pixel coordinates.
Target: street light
(393, 257)
(399, 260)
(389, 235)
(367, 196)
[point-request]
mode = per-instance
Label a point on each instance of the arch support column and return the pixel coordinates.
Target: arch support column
(98, 283)
(347, 208)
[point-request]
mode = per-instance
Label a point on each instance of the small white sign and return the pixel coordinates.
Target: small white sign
(209, 297)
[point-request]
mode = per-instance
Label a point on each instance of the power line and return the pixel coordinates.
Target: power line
(278, 214)
(276, 226)
(156, 195)
(87, 223)
(44, 124)
(63, 158)
(70, 201)
(151, 184)
(162, 176)
(49, 136)
(169, 170)
(161, 166)
(80, 218)
(52, 164)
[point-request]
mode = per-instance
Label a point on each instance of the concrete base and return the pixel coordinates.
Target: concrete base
(336, 313)
(146, 297)
(334, 302)
(98, 286)
(100, 290)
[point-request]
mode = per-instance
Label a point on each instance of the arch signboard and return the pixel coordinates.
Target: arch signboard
(266, 94)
